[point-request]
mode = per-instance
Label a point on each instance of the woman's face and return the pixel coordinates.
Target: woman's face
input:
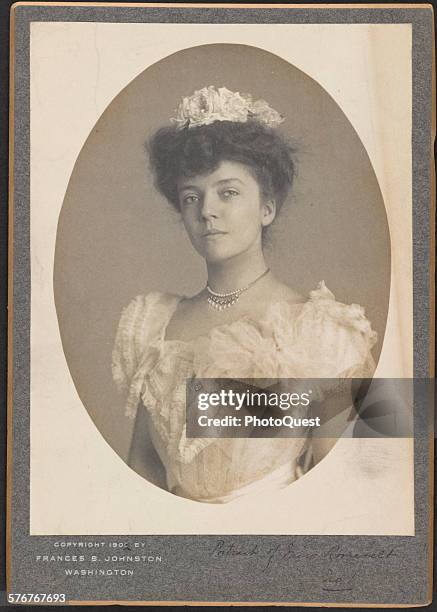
(224, 211)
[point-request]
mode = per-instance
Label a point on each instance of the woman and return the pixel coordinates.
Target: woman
(226, 168)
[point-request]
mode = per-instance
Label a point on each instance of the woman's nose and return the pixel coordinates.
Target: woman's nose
(210, 206)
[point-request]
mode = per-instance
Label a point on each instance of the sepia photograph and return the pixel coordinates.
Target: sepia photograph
(219, 175)
(224, 223)
(221, 304)
(218, 223)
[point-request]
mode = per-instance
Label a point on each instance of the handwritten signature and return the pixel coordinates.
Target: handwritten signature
(271, 555)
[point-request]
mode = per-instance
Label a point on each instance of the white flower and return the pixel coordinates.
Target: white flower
(209, 104)
(264, 113)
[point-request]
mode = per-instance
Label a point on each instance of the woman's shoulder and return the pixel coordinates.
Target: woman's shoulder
(140, 326)
(323, 337)
(323, 304)
(146, 314)
(322, 317)
(282, 292)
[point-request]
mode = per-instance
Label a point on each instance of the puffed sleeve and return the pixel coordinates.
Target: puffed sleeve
(328, 339)
(342, 334)
(133, 352)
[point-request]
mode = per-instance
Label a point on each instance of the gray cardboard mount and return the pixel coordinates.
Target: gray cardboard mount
(281, 569)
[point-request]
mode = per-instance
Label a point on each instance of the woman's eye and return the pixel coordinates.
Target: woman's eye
(190, 199)
(230, 193)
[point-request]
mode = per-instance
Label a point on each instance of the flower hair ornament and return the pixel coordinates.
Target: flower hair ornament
(209, 104)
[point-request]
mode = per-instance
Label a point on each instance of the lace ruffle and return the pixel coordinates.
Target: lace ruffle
(319, 339)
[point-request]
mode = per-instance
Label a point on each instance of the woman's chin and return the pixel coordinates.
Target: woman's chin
(215, 254)
(217, 258)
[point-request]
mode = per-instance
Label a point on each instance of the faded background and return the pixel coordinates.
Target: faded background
(118, 238)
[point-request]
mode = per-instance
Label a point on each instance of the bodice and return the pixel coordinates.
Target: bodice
(321, 338)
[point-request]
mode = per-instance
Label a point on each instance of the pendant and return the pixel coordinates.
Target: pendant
(222, 302)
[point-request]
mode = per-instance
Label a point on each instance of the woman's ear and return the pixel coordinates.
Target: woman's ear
(268, 212)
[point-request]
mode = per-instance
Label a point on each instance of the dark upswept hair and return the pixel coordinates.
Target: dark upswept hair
(199, 150)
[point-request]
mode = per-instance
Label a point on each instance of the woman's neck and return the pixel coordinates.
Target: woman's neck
(235, 273)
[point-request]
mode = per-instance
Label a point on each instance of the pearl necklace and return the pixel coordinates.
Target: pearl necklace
(220, 301)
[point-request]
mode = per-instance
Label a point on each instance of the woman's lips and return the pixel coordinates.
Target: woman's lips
(213, 234)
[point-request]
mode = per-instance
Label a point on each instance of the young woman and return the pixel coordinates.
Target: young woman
(227, 169)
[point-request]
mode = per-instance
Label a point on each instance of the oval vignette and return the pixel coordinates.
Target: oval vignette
(117, 237)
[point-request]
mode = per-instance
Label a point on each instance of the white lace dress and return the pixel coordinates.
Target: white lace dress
(321, 338)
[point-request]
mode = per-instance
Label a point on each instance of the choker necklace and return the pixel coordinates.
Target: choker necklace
(220, 301)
